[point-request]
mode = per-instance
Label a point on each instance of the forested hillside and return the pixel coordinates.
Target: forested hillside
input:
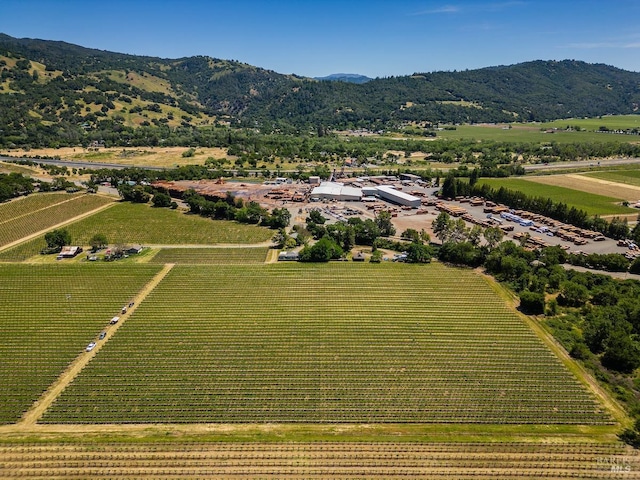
(54, 93)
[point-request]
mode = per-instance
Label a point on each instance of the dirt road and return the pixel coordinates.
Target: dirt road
(31, 417)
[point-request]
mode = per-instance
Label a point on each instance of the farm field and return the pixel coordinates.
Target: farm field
(137, 223)
(49, 314)
(167, 157)
(211, 256)
(128, 223)
(34, 213)
(597, 185)
(591, 203)
(612, 122)
(337, 343)
(628, 177)
(220, 460)
(531, 133)
(21, 206)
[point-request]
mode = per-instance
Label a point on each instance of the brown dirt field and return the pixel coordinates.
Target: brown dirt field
(150, 156)
(417, 222)
(591, 185)
(323, 460)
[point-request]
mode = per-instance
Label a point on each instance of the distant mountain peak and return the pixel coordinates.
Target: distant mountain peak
(345, 77)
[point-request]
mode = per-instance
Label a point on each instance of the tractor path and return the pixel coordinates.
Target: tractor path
(31, 417)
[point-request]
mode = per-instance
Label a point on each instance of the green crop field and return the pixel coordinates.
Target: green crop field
(535, 132)
(336, 343)
(589, 202)
(48, 316)
(136, 223)
(23, 251)
(531, 133)
(21, 218)
(612, 122)
(211, 256)
(36, 201)
(628, 177)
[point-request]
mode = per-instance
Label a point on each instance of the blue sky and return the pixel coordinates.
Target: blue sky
(316, 38)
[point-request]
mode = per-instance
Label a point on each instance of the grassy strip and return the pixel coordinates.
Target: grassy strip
(530, 134)
(287, 433)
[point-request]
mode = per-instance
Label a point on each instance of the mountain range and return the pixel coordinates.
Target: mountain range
(345, 77)
(51, 89)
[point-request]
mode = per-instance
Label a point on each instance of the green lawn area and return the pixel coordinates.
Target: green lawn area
(49, 314)
(331, 343)
(591, 203)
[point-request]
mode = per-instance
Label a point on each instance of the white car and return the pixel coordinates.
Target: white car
(90, 347)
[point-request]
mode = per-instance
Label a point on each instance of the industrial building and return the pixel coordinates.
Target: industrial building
(392, 195)
(336, 191)
(339, 192)
(409, 177)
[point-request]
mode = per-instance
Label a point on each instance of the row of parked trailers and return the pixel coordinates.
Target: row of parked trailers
(536, 222)
(570, 233)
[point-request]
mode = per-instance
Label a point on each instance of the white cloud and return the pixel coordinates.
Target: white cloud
(481, 7)
(442, 9)
(597, 45)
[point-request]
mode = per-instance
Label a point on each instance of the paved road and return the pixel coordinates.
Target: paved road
(620, 275)
(79, 163)
(582, 164)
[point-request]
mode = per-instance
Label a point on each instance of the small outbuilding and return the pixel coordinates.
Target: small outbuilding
(288, 256)
(358, 257)
(69, 252)
(133, 249)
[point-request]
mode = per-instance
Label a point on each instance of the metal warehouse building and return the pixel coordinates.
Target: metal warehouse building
(396, 196)
(336, 191)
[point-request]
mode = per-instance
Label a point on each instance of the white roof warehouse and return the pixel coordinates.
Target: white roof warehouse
(336, 191)
(396, 196)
